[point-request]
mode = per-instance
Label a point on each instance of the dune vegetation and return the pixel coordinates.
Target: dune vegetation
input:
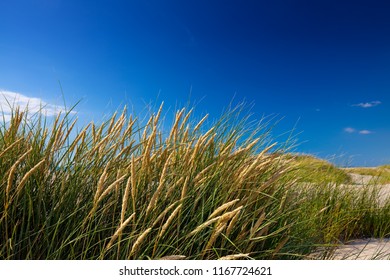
(129, 189)
(380, 174)
(309, 169)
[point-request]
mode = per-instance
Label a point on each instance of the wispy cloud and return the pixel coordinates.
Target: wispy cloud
(34, 105)
(367, 104)
(353, 130)
(365, 132)
(349, 130)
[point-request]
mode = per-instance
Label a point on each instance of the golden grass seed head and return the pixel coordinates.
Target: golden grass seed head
(169, 221)
(133, 182)
(214, 236)
(185, 119)
(119, 231)
(201, 174)
(157, 193)
(80, 136)
(223, 207)
(110, 187)
(162, 214)
(221, 219)
(125, 198)
(204, 225)
(138, 242)
(258, 224)
(227, 216)
(112, 120)
(173, 257)
(232, 223)
(69, 130)
(101, 181)
(201, 122)
(144, 138)
(234, 257)
(13, 169)
(159, 113)
(173, 133)
(172, 187)
(27, 175)
(185, 187)
(11, 146)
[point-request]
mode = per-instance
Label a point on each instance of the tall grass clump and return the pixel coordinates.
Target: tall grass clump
(123, 190)
(126, 189)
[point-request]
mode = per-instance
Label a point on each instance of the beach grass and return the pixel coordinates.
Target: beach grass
(310, 169)
(130, 189)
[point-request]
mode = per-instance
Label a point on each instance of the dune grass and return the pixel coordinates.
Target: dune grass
(310, 169)
(128, 190)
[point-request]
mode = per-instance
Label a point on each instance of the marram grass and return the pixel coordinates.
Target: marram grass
(123, 190)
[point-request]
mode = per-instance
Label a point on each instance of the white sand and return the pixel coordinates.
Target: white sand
(360, 179)
(362, 249)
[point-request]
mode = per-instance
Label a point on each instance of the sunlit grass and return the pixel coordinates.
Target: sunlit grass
(310, 169)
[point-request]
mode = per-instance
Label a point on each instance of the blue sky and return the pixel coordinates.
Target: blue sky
(323, 66)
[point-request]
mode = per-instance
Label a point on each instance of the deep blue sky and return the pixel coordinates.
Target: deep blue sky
(324, 65)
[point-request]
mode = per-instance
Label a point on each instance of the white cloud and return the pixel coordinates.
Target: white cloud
(368, 104)
(365, 132)
(353, 130)
(33, 105)
(349, 130)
